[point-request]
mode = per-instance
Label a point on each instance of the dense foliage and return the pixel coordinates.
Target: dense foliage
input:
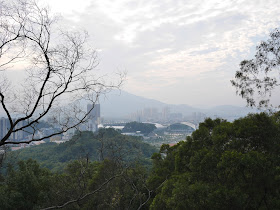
(144, 128)
(106, 144)
(83, 185)
(222, 165)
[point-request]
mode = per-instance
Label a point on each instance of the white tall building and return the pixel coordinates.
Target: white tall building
(5, 125)
(93, 117)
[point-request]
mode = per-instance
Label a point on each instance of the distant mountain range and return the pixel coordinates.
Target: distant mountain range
(119, 104)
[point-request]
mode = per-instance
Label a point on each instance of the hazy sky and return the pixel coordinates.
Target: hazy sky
(174, 51)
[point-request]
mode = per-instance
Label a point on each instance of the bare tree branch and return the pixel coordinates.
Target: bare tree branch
(59, 65)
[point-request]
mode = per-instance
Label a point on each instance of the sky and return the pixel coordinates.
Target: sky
(175, 51)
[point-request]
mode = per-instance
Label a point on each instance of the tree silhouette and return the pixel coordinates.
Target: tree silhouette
(59, 66)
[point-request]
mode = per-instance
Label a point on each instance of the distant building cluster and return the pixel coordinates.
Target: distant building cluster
(154, 115)
(173, 124)
(91, 124)
(197, 117)
(165, 116)
(16, 136)
(93, 120)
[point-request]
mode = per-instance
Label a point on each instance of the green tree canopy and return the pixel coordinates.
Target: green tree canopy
(106, 144)
(222, 165)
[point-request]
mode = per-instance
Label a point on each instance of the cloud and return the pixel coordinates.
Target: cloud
(169, 42)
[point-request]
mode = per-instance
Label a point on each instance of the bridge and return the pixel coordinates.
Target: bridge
(158, 125)
(189, 124)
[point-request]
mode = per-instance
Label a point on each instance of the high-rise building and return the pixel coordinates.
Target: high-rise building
(93, 117)
(5, 125)
(165, 113)
(21, 134)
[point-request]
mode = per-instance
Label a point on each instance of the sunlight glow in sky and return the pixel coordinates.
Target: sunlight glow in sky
(175, 51)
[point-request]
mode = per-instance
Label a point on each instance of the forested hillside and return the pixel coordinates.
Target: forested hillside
(223, 165)
(107, 144)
